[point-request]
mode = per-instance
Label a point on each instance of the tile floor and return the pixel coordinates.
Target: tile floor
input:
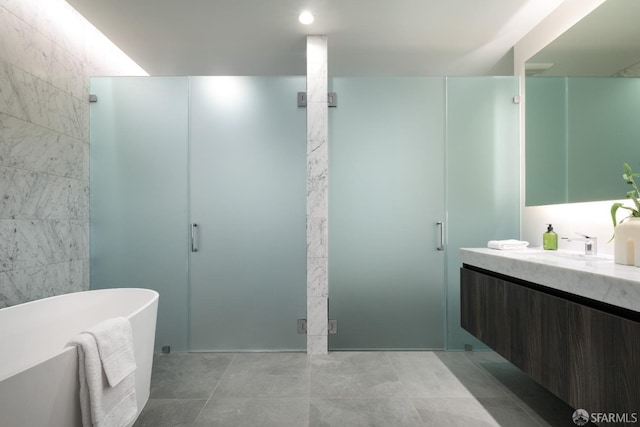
(346, 389)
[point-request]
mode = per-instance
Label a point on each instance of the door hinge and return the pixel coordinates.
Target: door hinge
(332, 327)
(332, 99)
(302, 326)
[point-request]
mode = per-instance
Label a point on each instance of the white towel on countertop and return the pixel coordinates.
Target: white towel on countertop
(101, 404)
(509, 244)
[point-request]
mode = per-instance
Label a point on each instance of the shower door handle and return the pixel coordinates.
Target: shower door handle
(194, 248)
(440, 246)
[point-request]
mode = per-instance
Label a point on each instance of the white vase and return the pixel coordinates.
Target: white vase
(626, 244)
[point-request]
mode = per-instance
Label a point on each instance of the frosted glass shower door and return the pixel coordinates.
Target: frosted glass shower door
(139, 151)
(248, 200)
(386, 196)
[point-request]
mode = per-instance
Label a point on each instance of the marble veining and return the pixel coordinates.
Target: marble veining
(11, 101)
(20, 286)
(32, 243)
(317, 122)
(19, 41)
(597, 278)
(317, 235)
(317, 315)
(31, 195)
(317, 277)
(24, 145)
(317, 198)
(66, 72)
(317, 159)
(29, 98)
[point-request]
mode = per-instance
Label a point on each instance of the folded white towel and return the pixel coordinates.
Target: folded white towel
(102, 405)
(509, 244)
(114, 338)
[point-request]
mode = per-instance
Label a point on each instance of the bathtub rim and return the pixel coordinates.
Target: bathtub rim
(154, 296)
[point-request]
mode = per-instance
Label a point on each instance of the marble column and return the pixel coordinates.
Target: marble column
(317, 196)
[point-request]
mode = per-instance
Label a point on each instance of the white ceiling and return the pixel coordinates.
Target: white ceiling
(366, 37)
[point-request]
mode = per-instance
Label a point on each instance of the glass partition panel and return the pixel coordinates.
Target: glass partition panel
(138, 194)
(386, 194)
(483, 176)
(248, 199)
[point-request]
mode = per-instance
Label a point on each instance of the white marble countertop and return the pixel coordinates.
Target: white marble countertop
(594, 277)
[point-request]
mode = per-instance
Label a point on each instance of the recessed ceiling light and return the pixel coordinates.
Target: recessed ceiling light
(305, 17)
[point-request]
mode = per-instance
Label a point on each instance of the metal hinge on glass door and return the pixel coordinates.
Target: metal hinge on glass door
(332, 99)
(332, 326)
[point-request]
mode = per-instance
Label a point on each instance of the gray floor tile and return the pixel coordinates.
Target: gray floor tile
(397, 412)
(354, 374)
(266, 375)
(453, 412)
(506, 412)
(547, 409)
(170, 412)
(472, 377)
(424, 375)
(188, 376)
(483, 356)
(513, 379)
(263, 412)
(347, 389)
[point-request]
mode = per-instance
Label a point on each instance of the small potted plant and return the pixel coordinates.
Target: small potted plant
(626, 247)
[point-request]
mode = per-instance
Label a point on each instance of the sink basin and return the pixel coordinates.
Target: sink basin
(569, 255)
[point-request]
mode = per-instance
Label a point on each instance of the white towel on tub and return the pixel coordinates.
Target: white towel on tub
(114, 338)
(101, 404)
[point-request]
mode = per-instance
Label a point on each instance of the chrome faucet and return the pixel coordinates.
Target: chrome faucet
(590, 243)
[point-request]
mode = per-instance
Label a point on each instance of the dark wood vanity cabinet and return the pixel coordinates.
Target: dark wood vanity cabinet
(586, 354)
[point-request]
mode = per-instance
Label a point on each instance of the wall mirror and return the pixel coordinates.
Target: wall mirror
(583, 109)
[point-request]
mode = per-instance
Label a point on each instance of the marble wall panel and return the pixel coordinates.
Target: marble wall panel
(21, 46)
(317, 319)
(317, 198)
(48, 52)
(19, 286)
(34, 243)
(32, 99)
(24, 145)
(317, 159)
(317, 277)
(317, 123)
(32, 195)
(317, 238)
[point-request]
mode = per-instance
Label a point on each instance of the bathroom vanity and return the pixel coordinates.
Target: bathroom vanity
(570, 321)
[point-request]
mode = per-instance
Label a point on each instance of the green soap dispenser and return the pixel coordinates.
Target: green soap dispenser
(550, 239)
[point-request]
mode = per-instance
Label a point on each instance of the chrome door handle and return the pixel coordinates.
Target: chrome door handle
(440, 225)
(193, 237)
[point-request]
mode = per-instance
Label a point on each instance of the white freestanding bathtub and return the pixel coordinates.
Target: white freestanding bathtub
(39, 383)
